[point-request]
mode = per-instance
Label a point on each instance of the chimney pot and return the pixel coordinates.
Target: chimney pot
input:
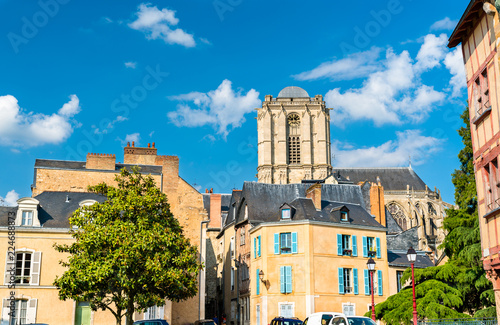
(153, 144)
(133, 143)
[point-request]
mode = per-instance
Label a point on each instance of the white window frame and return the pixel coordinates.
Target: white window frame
(347, 275)
(258, 314)
(286, 214)
(349, 304)
(27, 204)
(232, 279)
(280, 304)
(232, 248)
(242, 236)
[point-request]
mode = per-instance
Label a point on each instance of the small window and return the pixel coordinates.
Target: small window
(21, 308)
(242, 237)
(346, 245)
(285, 214)
(399, 275)
(347, 281)
(344, 216)
(348, 309)
(246, 211)
(286, 243)
(23, 267)
(233, 255)
(27, 219)
(372, 249)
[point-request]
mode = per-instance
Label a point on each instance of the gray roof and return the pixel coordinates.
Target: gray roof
(293, 92)
(403, 240)
(54, 211)
(398, 258)
(225, 201)
(392, 225)
(265, 200)
(391, 178)
(80, 165)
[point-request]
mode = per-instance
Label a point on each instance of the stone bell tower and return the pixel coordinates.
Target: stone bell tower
(293, 138)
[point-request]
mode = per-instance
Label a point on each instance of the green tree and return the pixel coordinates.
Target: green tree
(458, 288)
(129, 252)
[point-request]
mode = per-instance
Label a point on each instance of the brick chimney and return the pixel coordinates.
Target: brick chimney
(215, 211)
(314, 193)
(100, 161)
(139, 156)
(377, 202)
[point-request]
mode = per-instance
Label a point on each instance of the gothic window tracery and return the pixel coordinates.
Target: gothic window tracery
(398, 215)
(293, 138)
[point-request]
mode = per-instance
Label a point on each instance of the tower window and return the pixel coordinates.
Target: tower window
(293, 139)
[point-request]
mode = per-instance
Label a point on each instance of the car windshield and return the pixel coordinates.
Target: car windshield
(292, 322)
(360, 321)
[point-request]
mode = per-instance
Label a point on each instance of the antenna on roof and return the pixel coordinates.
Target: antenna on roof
(67, 199)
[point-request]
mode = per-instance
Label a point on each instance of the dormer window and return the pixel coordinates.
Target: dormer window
(27, 218)
(285, 214)
(27, 212)
(344, 216)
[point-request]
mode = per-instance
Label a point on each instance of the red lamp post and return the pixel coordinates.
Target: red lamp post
(371, 267)
(412, 257)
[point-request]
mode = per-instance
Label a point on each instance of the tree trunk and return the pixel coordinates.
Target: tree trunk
(130, 311)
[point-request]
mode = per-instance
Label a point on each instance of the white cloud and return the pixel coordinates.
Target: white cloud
(432, 52)
(454, 62)
(222, 108)
(444, 24)
(10, 199)
(134, 137)
(354, 66)
(157, 23)
(410, 143)
(131, 65)
(27, 129)
(106, 127)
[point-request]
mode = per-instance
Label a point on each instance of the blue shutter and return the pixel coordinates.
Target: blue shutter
(354, 245)
(258, 246)
(339, 245)
(282, 280)
(288, 276)
(355, 280)
(341, 280)
(379, 253)
(367, 282)
(365, 247)
(276, 244)
(380, 292)
(257, 282)
(255, 248)
(294, 243)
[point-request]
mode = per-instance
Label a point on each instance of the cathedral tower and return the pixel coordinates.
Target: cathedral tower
(293, 138)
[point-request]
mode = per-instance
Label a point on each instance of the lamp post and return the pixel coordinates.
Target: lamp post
(371, 266)
(412, 257)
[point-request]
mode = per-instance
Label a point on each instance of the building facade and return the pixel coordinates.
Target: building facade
(478, 33)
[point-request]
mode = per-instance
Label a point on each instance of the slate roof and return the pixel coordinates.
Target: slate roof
(398, 258)
(392, 225)
(391, 178)
(54, 211)
(265, 200)
(80, 165)
(403, 240)
(225, 201)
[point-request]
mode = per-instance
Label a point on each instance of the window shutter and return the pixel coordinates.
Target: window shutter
(5, 311)
(341, 280)
(355, 280)
(339, 245)
(367, 282)
(257, 283)
(380, 292)
(161, 312)
(288, 276)
(146, 314)
(354, 245)
(31, 311)
(255, 248)
(276, 244)
(282, 279)
(365, 247)
(379, 253)
(294, 243)
(8, 265)
(35, 268)
(258, 246)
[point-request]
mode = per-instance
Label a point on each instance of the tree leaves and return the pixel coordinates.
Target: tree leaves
(129, 251)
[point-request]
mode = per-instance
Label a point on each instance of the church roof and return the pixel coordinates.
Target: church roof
(391, 178)
(293, 92)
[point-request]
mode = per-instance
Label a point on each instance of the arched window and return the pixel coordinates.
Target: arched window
(398, 215)
(293, 138)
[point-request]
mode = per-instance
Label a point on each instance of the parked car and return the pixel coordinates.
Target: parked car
(205, 322)
(321, 318)
(286, 321)
(351, 320)
(151, 322)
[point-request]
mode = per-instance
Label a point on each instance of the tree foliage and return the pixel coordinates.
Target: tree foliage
(129, 252)
(458, 288)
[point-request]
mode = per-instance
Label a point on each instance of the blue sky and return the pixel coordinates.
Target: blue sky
(87, 76)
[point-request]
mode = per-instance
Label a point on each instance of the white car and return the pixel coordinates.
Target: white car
(323, 318)
(351, 320)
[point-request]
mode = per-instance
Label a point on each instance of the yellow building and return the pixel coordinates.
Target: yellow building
(478, 32)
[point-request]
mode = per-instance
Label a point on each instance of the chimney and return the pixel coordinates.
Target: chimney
(314, 193)
(377, 202)
(215, 211)
(100, 161)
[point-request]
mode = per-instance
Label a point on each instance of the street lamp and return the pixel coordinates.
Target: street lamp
(371, 266)
(412, 257)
